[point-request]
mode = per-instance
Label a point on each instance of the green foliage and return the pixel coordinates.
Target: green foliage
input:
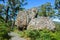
(4, 29)
(46, 10)
(46, 35)
(57, 24)
(57, 6)
(34, 34)
(1, 7)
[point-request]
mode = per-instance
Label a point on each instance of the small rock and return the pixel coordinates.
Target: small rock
(15, 36)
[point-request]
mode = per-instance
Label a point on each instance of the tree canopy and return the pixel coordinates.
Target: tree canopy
(46, 10)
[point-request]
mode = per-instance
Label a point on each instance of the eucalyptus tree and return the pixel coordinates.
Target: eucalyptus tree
(11, 8)
(57, 6)
(46, 10)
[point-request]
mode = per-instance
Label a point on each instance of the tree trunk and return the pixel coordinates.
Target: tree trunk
(7, 15)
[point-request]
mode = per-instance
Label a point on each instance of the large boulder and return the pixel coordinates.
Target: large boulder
(24, 17)
(28, 19)
(31, 14)
(21, 19)
(41, 23)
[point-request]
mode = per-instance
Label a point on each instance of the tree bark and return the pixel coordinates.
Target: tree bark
(7, 15)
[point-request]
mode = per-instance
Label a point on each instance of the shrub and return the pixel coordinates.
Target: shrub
(40, 34)
(4, 29)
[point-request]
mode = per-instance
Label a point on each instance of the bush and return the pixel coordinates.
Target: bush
(57, 26)
(34, 34)
(4, 29)
(40, 34)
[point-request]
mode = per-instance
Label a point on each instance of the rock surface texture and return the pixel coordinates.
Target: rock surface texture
(15, 36)
(24, 17)
(41, 23)
(30, 20)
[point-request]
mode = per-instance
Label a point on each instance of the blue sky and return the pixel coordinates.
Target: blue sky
(36, 3)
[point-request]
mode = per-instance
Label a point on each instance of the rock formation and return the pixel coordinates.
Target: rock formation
(24, 17)
(28, 19)
(41, 23)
